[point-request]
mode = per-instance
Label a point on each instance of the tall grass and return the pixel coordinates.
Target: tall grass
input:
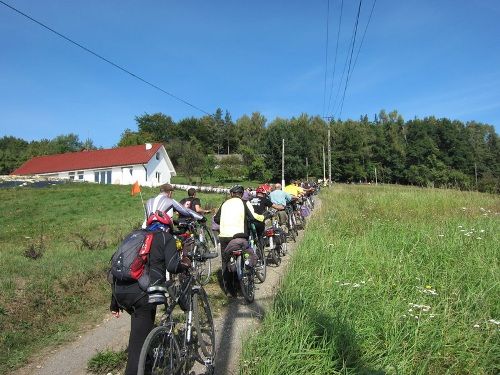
(43, 301)
(389, 280)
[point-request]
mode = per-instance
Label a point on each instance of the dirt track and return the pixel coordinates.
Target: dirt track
(236, 321)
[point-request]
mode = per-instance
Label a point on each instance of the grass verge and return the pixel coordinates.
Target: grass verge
(388, 280)
(56, 245)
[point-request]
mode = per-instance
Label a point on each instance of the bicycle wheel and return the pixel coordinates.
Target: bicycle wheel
(284, 248)
(160, 353)
(209, 239)
(247, 283)
(203, 267)
(261, 266)
(276, 254)
(204, 326)
(290, 229)
(294, 224)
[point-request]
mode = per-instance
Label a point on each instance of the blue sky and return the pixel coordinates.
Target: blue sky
(420, 57)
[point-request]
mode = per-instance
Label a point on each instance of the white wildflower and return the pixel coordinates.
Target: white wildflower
(460, 226)
(478, 238)
(423, 308)
(356, 285)
(493, 321)
(481, 231)
(440, 235)
(476, 325)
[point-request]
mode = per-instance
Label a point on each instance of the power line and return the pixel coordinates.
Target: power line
(336, 53)
(105, 59)
(350, 58)
(326, 54)
(336, 104)
(364, 34)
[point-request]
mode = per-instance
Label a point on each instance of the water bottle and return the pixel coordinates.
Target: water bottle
(201, 237)
(246, 256)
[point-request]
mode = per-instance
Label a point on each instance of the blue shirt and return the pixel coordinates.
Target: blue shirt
(280, 197)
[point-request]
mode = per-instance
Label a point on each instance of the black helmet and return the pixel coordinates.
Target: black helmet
(237, 189)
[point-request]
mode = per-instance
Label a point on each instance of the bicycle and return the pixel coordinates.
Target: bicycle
(204, 243)
(257, 244)
(173, 347)
(276, 239)
(292, 223)
(239, 269)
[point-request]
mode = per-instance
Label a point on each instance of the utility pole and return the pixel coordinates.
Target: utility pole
(475, 173)
(307, 170)
(329, 118)
(283, 163)
(376, 182)
(324, 165)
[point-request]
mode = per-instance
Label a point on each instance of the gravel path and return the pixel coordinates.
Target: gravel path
(236, 321)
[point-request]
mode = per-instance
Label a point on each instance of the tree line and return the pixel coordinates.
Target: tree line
(424, 152)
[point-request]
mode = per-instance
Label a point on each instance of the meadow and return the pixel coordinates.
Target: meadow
(388, 280)
(56, 245)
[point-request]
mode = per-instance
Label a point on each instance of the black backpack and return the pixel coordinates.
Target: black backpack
(130, 262)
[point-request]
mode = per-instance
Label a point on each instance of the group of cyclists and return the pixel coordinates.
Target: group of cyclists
(240, 224)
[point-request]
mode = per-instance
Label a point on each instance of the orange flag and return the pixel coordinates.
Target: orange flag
(135, 188)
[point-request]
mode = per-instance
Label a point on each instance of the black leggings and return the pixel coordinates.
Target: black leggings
(141, 323)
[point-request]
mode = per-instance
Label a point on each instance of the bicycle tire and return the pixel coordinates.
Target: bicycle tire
(203, 268)
(261, 267)
(276, 255)
(204, 326)
(160, 353)
(294, 225)
(290, 231)
(247, 283)
(284, 248)
(210, 240)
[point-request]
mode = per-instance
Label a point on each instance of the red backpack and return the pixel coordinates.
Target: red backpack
(130, 262)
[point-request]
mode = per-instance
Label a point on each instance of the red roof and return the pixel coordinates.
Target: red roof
(77, 161)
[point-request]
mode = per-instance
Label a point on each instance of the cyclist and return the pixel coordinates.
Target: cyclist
(260, 205)
(294, 189)
(165, 202)
(234, 218)
(139, 303)
(193, 203)
(282, 198)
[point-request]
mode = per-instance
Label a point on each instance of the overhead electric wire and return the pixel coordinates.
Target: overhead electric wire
(105, 59)
(364, 34)
(335, 59)
(350, 58)
(336, 103)
(326, 55)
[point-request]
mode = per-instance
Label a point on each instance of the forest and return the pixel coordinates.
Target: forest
(429, 152)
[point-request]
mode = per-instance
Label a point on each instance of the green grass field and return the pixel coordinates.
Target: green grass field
(388, 280)
(44, 301)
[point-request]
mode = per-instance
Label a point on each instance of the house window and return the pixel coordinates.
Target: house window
(102, 177)
(71, 176)
(80, 175)
(158, 175)
(157, 156)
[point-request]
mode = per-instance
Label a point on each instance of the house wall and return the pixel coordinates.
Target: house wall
(156, 172)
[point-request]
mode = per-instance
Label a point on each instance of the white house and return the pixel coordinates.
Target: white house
(148, 164)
